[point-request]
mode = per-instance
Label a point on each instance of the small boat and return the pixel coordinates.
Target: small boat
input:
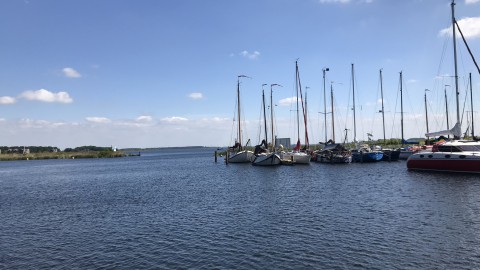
(267, 159)
(391, 154)
(366, 154)
(334, 153)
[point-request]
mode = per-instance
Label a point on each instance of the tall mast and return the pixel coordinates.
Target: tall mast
(383, 110)
(238, 113)
(401, 106)
(307, 143)
(426, 111)
(325, 103)
(296, 88)
(457, 93)
(446, 107)
(271, 111)
(264, 115)
(471, 104)
(333, 118)
(354, 120)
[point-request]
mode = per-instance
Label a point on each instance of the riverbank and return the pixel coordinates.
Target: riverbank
(62, 155)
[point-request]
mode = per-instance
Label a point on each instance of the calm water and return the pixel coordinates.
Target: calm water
(177, 209)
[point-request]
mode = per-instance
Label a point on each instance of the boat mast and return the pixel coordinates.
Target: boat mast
(264, 115)
(296, 88)
(325, 103)
(446, 107)
(471, 104)
(383, 110)
(238, 108)
(271, 111)
(333, 118)
(457, 94)
(401, 106)
(426, 112)
(307, 142)
(354, 120)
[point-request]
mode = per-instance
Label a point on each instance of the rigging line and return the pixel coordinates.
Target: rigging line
(466, 44)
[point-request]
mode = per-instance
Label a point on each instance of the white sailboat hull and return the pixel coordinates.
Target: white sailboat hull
(241, 157)
(271, 159)
(297, 157)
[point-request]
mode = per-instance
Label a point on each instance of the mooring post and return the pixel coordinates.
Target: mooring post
(215, 156)
(227, 157)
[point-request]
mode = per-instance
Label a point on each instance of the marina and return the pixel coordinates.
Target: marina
(153, 211)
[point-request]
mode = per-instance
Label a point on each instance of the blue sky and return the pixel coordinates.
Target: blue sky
(163, 73)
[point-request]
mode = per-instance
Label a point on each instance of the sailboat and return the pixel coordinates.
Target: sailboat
(388, 154)
(333, 152)
(296, 155)
(239, 154)
(264, 156)
(455, 155)
(363, 153)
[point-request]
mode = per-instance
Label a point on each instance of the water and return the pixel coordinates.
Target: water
(177, 209)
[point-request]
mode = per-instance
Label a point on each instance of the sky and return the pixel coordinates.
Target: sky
(164, 73)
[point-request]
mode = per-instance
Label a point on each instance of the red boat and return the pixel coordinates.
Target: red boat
(452, 156)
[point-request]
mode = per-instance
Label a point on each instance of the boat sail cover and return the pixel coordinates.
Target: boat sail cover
(455, 131)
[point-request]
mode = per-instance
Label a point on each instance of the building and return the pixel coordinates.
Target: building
(283, 141)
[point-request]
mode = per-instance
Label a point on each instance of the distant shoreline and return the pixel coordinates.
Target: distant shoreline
(61, 155)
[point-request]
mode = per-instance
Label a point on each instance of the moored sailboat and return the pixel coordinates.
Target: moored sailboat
(455, 155)
(264, 156)
(239, 154)
(296, 156)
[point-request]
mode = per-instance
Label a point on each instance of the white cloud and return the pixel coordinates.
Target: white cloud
(471, 1)
(71, 73)
(412, 81)
(6, 100)
(174, 119)
(95, 119)
(470, 27)
(252, 56)
(287, 101)
(196, 96)
(47, 96)
(144, 118)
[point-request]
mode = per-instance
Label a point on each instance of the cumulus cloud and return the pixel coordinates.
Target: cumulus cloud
(287, 101)
(6, 100)
(470, 27)
(471, 1)
(71, 73)
(144, 118)
(44, 95)
(174, 119)
(196, 96)
(95, 119)
(252, 56)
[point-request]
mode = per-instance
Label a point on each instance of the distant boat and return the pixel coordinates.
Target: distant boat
(455, 155)
(239, 154)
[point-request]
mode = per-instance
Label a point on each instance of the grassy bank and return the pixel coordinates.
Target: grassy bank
(62, 155)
